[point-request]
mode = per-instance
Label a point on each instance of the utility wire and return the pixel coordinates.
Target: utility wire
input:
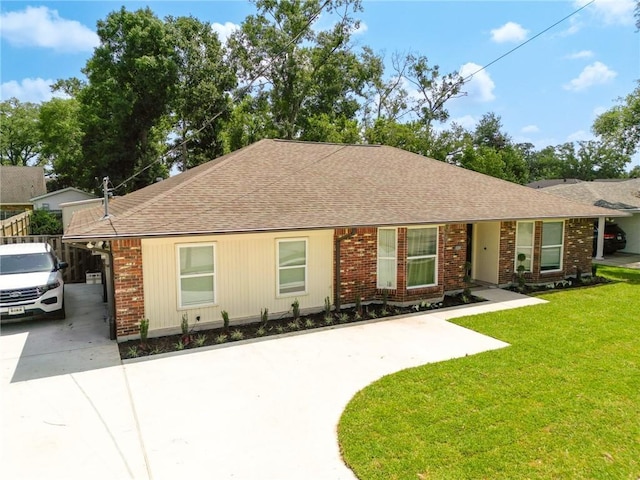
(243, 91)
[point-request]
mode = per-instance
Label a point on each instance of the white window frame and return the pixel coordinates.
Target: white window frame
(213, 274)
(306, 266)
(543, 246)
(518, 246)
(394, 258)
(418, 257)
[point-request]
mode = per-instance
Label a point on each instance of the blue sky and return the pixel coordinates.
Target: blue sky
(547, 92)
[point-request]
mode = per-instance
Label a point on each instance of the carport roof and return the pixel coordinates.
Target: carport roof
(618, 195)
(276, 185)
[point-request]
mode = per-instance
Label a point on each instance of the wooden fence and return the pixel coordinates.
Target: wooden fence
(17, 225)
(80, 260)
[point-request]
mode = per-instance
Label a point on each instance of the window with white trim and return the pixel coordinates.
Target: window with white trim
(387, 258)
(552, 242)
(524, 244)
(196, 275)
(292, 266)
(422, 249)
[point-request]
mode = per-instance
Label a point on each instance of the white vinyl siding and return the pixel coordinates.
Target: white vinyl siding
(524, 244)
(292, 266)
(387, 258)
(196, 271)
(552, 243)
(422, 249)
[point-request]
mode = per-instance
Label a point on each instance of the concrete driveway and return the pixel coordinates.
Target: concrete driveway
(257, 411)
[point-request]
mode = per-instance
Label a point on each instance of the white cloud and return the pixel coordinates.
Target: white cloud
(599, 111)
(41, 27)
(34, 90)
(578, 136)
(595, 74)
(225, 30)
(580, 54)
(611, 12)
(480, 87)
(362, 28)
(530, 129)
(509, 32)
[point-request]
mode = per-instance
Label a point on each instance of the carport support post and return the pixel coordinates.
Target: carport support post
(600, 240)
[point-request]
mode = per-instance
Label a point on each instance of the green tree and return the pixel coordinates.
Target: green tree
(299, 72)
(132, 77)
(201, 103)
(19, 134)
(620, 125)
(43, 222)
(61, 134)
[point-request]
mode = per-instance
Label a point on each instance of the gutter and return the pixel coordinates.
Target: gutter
(351, 234)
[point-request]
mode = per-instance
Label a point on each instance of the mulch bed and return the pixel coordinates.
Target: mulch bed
(572, 282)
(218, 336)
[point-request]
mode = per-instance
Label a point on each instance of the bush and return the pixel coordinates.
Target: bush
(43, 222)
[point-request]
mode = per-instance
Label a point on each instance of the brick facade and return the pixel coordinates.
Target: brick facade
(128, 287)
(578, 238)
(358, 265)
(358, 260)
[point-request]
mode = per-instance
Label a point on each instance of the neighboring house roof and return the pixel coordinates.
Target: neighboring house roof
(553, 181)
(289, 185)
(64, 190)
(623, 195)
(19, 184)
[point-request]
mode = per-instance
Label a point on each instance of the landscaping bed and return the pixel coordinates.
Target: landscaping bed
(286, 324)
(572, 282)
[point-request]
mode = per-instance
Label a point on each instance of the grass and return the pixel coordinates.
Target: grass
(562, 402)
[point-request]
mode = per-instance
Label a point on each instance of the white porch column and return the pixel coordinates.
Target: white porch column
(600, 241)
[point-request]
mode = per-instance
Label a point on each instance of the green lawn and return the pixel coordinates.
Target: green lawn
(562, 402)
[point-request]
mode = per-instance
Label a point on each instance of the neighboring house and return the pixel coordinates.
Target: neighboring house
(618, 196)
(282, 220)
(18, 185)
(53, 200)
(553, 181)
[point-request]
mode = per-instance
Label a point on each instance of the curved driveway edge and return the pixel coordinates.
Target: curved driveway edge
(269, 410)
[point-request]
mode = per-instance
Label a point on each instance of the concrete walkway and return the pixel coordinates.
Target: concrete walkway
(621, 259)
(257, 411)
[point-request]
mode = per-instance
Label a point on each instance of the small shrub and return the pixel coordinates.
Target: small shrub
(280, 329)
(384, 312)
(359, 306)
(179, 345)
(132, 352)
(237, 335)
(222, 338)
(295, 309)
(385, 299)
(328, 319)
(184, 324)
(225, 319)
(520, 269)
(261, 331)
(372, 314)
(294, 325)
(594, 269)
(343, 318)
(144, 330)
(200, 339)
(357, 316)
(156, 350)
(264, 316)
(327, 306)
(309, 323)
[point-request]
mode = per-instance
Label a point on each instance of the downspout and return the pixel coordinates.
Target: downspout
(351, 234)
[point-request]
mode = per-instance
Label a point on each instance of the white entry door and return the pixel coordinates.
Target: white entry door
(486, 251)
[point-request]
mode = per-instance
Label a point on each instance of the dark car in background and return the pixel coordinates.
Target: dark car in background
(614, 238)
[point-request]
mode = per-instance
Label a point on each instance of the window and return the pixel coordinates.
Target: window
(551, 255)
(387, 254)
(196, 271)
(421, 256)
(292, 266)
(524, 244)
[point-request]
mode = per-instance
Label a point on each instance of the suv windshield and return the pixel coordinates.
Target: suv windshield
(26, 263)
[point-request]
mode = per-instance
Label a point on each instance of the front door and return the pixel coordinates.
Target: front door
(486, 251)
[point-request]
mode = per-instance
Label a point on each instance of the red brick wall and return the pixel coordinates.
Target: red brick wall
(128, 287)
(358, 265)
(578, 238)
(506, 261)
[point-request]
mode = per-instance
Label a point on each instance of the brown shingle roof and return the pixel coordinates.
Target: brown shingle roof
(284, 185)
(624, 195)
(19, 184)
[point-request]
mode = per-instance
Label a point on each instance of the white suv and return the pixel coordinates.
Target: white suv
(30, 281)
